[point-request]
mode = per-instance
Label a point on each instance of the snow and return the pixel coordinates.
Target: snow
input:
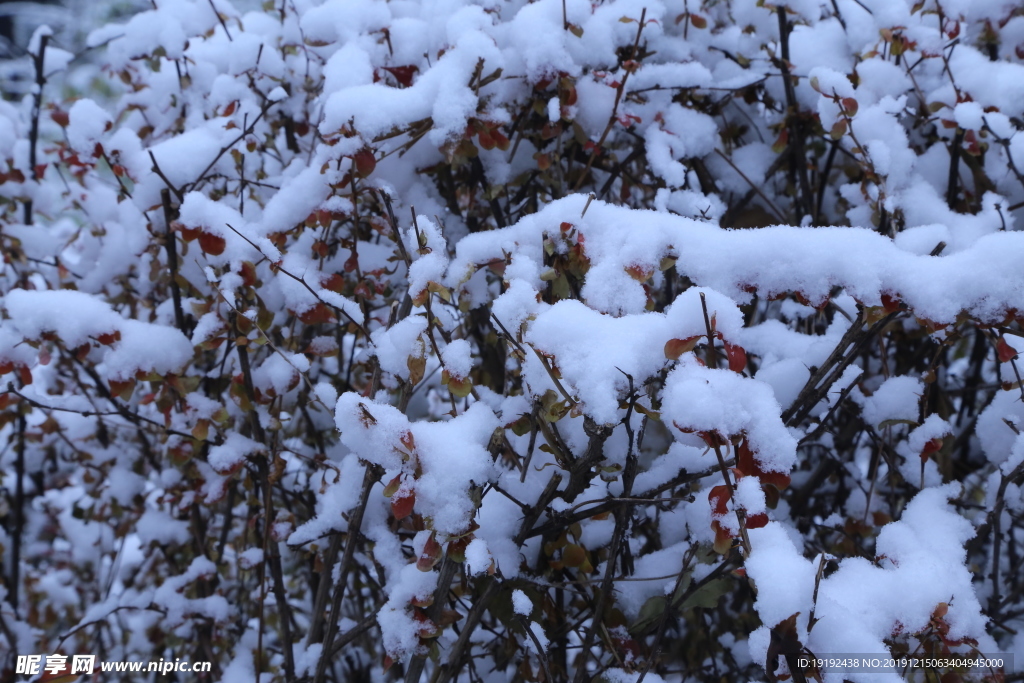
(396, 623)
(78, 318)
(261, 123)
(896, 399)
(774, 260)
(232, 453)
(457, 358)
(786, 378)
(785, 579)
(478, 559)
(861, 603)
(705, 400)
(88, 122)
(996, 437)
(75, 317)
(521, 603)
(156, 526)
(452, 456)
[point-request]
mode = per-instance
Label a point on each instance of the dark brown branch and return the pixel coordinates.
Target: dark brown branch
(355, 522)
(171, 247)
(38, 62)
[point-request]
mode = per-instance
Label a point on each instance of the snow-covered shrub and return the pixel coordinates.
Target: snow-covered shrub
(542, 341)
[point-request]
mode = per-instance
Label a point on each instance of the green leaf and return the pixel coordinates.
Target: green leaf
(707, 596)
(895, 422)
(680, 590)
(649, 615)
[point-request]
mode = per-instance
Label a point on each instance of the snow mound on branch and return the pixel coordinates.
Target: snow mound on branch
(981, 279)
(77, 318)
(452, 456)
(920, 566)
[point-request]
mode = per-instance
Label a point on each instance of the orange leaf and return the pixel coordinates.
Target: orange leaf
(723, 538)
(122, 388)
(212, 244)
(674, 348)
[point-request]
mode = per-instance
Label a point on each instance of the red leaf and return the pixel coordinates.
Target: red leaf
(402, 74)
(1005, 352)
(757, 521)
(719, 497)
(932, 446)
(401, 506)
(748, 465)
(60, 117)
(712, 439)
(317, 315)
(698, 21)
(334, 283)
(431, 554)
(212, 244)
(849, 105)
(230, 109)
(737, 357)
(364, 162)
(351, 263)
(500, 140)
(109, 338)
(25, 375)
